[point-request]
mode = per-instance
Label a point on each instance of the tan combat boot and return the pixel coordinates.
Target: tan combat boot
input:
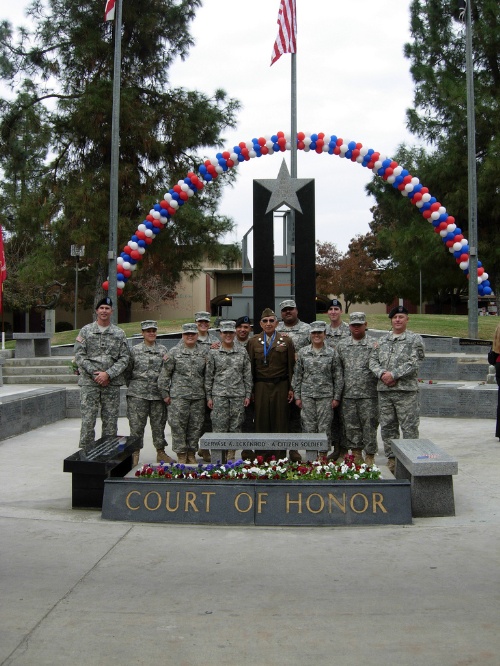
(135, 457)
(358, 456)
(205, 454)
(391, 464)
(191, 457)
(231, 454)
(162, 456)
(182, 457)
(370, 459)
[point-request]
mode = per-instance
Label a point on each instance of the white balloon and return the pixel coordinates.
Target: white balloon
(148, 233)
(288, 145)
(133, 245)
(307, 141)
(174, 204)
(127, 265)
(119, 261)
(435, 216)
(164, 220)
(419, 204)
(443, 233)
(326, 148)
(415, 181)
(168, 197)
(219, 169)
(270, 144)
(190, 192)
(404, 193)
(451, 228)
(249, 145)
(132, 267)
(442, 210)
(184, 187)
(156, 214)
(151, 211)
(391, 180)
(120, 284)
(343, 149)
(464, 264)
(397, 171)
(457, 246)
(252, 153)
(409, 187)
(485, 276)
(479, 279)
(141, 250)
(142, 227)
(234, 157)
(464, 241)
(307, 149)
(426, 197)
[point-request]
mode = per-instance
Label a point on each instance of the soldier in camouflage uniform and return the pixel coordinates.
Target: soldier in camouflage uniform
(208, 341)
(337, 331)
(243, 335)
(228, 383)
(182, 386)
(291, 325)
(143, 397)
(317, 382)
(102, 356)
(359, 399)
(395, 363)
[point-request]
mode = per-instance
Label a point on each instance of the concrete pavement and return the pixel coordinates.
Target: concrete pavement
(78, 590)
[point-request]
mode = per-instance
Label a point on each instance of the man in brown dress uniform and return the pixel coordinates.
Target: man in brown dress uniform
(272, 357)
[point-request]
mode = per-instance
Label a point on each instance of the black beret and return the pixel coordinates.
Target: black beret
(399, 309)
(104, 301)
(335, 303)
(242, 320)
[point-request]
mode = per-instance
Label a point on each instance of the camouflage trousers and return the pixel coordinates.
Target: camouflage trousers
(316, 416)
(398, 409)
(138, 411)
(227, 414)
(93, 398)
(185, 418)
(360, 418)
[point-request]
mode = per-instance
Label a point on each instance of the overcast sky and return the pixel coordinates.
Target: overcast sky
(352, 81)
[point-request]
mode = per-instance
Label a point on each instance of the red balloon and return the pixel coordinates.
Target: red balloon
(450, 220)
(301, 136)
(336, 150)
(301, 144)
(262, 141)
(280, 134)
(264, 150)
(463, 257)
(230, 163)
(149, 218)
(135, 255)
(442, 226)
(163, 204)
(119, 292)
(105, 285)
(149, 240)
(177, 188)
(427, 214)
(226, 155)
(458, 237)
(127, 249)
(450, 244)
(436, 206)
(126, 273)
(340, 142)
(183, 195)
(480, 270)
(140, 235)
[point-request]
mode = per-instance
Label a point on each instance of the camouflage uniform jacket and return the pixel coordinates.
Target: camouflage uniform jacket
(335, 335)
(97, 350)
(183, 372)
(299, 333)
(229, 373)
(317, 374)
(400, 355)
(359, 380)
(210, 339)
(143, 370)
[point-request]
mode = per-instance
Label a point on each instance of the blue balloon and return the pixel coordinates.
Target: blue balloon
(479, 264)
(274, 138)
(202, 169)
(351, 145)
(386, 163)
(141, 243)
(404, 173)
(157, 207)
(148, 224)
(120, 276)
(134, 238)
(487, 290)
(312, 145)
(457, 254)
(314, 137)
(465, 249)
(156, 230)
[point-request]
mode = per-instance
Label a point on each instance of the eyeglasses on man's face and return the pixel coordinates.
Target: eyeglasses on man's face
(268, 321)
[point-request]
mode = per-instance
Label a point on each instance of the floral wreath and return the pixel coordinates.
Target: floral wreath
(388, 169)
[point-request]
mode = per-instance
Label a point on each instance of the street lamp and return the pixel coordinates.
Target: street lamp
(77, 251)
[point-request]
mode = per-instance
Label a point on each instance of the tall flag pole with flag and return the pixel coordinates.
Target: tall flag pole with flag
(286, 42)
(3, 277)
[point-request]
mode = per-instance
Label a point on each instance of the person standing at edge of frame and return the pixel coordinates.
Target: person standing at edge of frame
(182, 386)
(395, 362)
(494, 360)
(317, 383)
(102, 356)
(228, 383)
(143, 396)
(243, 335)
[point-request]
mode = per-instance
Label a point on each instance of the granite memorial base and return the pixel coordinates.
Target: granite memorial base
(110, 457)
(429, 470)
(218, 442)
(259, 503)
(22, 412)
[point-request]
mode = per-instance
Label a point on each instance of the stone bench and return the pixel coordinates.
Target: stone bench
(31, 345)
(217, 442)
(429, 470)
(111, 457)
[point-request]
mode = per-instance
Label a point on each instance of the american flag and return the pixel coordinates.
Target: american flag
(109, 10)
(286, 41)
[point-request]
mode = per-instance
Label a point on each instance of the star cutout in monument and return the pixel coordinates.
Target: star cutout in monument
(283, 189)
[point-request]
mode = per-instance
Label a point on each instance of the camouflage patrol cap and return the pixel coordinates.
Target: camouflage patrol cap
(357, 318)
(202, 316)
(189, 328)
(228, 326)
(318, 327)
(149, 323)
(287, 304)
(267, 313)
(399, 309)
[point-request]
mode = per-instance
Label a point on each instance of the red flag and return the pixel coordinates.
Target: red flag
(109, 11)
(3, 270)
(286, 41)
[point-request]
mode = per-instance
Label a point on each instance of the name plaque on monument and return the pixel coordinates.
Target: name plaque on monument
(264, 503)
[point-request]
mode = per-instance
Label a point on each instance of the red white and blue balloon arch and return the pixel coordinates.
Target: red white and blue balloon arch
(399, 177)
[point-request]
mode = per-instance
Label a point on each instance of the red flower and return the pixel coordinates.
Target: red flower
(260, 459)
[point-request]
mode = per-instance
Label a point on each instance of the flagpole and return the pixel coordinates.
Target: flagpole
(293, 101)
(115, 158)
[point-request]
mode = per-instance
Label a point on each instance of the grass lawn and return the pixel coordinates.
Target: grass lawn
(447, 325)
